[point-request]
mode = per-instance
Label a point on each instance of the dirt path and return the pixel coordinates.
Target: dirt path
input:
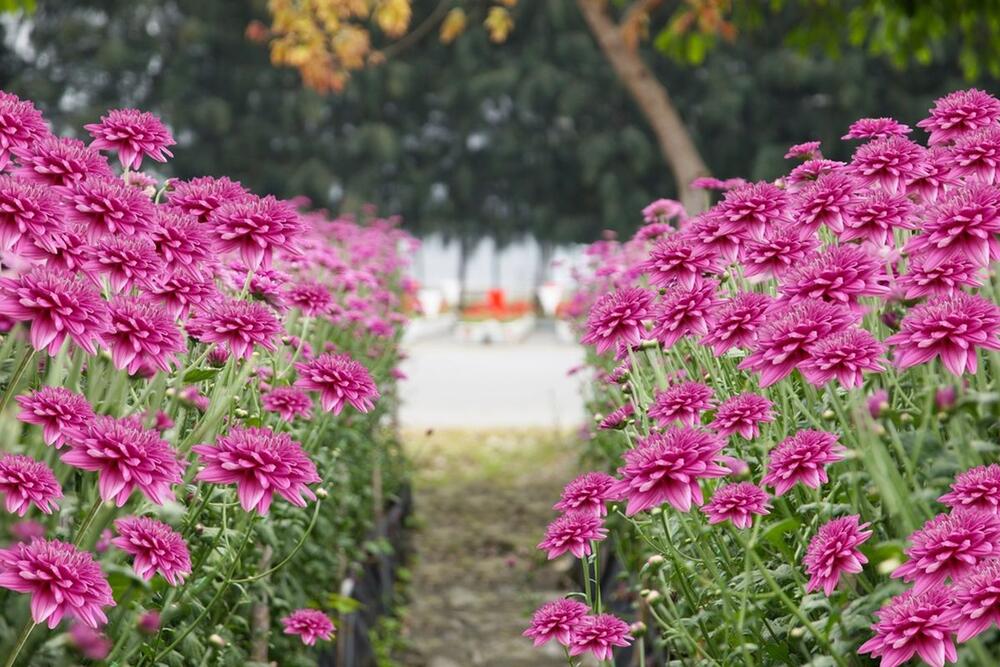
(483, 500)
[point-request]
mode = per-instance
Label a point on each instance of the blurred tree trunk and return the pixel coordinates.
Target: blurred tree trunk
(650, 96)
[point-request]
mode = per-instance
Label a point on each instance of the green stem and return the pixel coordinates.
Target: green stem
(289, 557)
(15, 379)
(88, 520)
(22, 639)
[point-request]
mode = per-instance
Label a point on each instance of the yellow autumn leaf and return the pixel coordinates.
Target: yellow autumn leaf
(508, 3)
(393, 16)
(453, 25)
(498, 23)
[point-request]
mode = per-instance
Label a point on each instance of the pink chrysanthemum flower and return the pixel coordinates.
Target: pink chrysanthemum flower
(712, 183)
(555, 620)
(839, 274)
(960, 113)
(749, 210)
(289, 402)
(142, 335)
(617, 318)
(200, 196)
(573, 532)
(57, 410)
(965, 224)
(21, 124)
(311, 297)
(937, 175)
(59, 161)
(824, 202)
(61, 250)
(742, 414)
(184, 244)
(309, 624)
(889, 162)
(62, 581)
(875, 215)
(663, 210)
(653, 232)
(617, 418)
(587, 493)
(132, 134)
(737, 503)
(57, 304)
(808, 150)
(677, 259)
(706, 229)
(239, 325)
(25, 481)
(977, 156)
(949, 546)
(89, 642)
(179, 294)
(833, 551)
(126, 456)
(949, 327)
(260, 463)
(107, 207)
(782, 343)
(155, 546)
(339, 380)
(26, 209)
(811, 171)
(876, 128)
(975, 606)
(683, 402)
(685, 312)
(126, 262)
(783, 247)
(845, 355)
(668, 467)
(599, 635)
(945, 278)
(256, 228)
(736, 320)
(802, 457)
(27, 530)
(976, 488)
(914, 624)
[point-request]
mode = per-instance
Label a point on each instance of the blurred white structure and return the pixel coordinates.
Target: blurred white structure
(550, 296)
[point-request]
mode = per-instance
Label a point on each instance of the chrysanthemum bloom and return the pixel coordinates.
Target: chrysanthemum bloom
(132, 134)
(156, 547)
(149, 622)
(960, 113)
(683, 402)
(617, 317)
(749, 210)
(833, 551)
(104, 206)
(736, 320)
(824, 202)
(783, 247)
(889, 162)
(811, 171)
(950, 327)
(142, 334)
(965, 224)
(876, 128)
(59, 161)
(875, 215)
(26, 209)
(21, 124)
(27, 530)
(706, 229)
(599, 635)
(260, 463)
(712, 183)
(266, 285)
(555, 620)
(573, 532)
(92, 644)
(652, 232)
(742, 414)
(309, 296)
(25, 481)
(737, 503)
(685, 312)
(942, 279)
(617, 418)
(668, 467)
(783, 341)
(845, 355)
(977, 156)
(937, 175)
(976, 488)
(57, 410)
(975, 604)
(61, 250)
(587, 493)
(877, 402)
(807, 150)
(125, 455)
(62, 581)
(126, 262)
(239, 325)
(289, 402)
(676, 259)
(200, 196)
(179, 294)
(950, 546)
(57, 304)
(838, 274)
(802, 457)
(662, 210)
(184, 243)
(339, 380)
(914, 624)
(256, 228)
(309, 624)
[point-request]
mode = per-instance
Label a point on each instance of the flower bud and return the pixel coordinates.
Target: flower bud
(216, 640)
(797, 631)
(322, 493)
(655, 560)
(637, 629)
(829, 414)
(944, 398)
(652, 596)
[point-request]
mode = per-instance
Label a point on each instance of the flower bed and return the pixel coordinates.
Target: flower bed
(797, 398)
(198, 398)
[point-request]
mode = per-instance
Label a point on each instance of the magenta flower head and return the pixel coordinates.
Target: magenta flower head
(62, 581)
(311, 297)
(149, 622)
(949, 546)
(977, 156)
(938, 175)
(663, 210)
(105, 206)
(155, 546)
(309, 624)
(676, 259)
(924, 278)
(833, 551)
(843, 356)
(735, 321)
(125, 456)
(811, 171)
(838, 274)
(142, 335)
(808, 150)
(587, 493)
(59, 161)
(802, 457)
(875, 215)
(260, 463)
(877, 402)
(824, 201)
(975, 604)
(26, 209)
(91, 643)
(126, 262)
(339, 380)
(238, 325)
(963, 225)
(599, 635)
(685, 312)
(617, 318)
(555, 620)
(707, 229)
(889, 162)
(200, 196)
(748, 211)
(58, 304)
(737, 503)
(949, 327)
(573, 532)
(914, 624)
(976, 488)
(57, 410)
(21, 124)
(25, 481)
(668, 467)
(618, 418)
(184, 244)
(255, 228)
(132, 134)
(289, 402)
(876, 128)
(179, 294)
(683, 402)
(782, 248)
(742, 414)
(960, 113)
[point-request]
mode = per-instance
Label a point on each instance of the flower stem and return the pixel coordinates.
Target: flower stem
(88, 520)
(15, 379)
(22, 639)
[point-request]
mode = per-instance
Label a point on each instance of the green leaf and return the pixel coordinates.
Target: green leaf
(200, 374)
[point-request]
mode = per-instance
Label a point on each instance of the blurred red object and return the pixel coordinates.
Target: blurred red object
(495, 300)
